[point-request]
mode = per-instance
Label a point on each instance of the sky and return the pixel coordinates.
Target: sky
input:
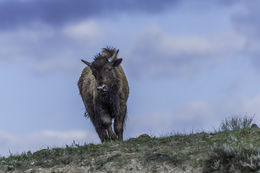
(189, 64)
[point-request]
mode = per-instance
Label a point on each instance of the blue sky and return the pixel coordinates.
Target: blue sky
(189, 66)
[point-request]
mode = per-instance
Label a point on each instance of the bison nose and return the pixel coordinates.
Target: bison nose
(103, 88)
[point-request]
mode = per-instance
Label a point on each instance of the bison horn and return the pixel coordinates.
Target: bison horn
(114, 57)
(86, 62)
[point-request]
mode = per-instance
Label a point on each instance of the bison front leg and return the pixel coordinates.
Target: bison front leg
(119, 122)
(107, 123)
(102, 133)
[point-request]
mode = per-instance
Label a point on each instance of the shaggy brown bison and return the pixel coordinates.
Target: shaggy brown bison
(104, 90)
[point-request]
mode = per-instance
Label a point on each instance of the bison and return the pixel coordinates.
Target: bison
(104, 90)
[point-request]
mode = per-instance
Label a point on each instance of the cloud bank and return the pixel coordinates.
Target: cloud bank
(17, 13)
(165, 54)
(52, 36)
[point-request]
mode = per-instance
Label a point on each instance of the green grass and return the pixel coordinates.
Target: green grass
(236, 123)
(223, 151)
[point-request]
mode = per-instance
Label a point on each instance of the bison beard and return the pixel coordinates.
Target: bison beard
(104, 91)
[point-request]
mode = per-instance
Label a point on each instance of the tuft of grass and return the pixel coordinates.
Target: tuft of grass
(236, 123)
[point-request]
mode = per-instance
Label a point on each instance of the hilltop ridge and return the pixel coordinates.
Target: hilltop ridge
(184, 153)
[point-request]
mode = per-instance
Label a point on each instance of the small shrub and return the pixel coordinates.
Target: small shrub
(231, 158)
(236, 123)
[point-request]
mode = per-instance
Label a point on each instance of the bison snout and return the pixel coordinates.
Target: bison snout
(103, 88)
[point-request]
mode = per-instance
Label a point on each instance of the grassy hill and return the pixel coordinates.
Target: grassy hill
(222, 151)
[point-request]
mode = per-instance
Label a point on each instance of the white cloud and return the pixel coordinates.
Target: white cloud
(152, 123)
(15, 144)
(209, 115)
(42, 48)
(193, 110)
(65, 135)
(195, 115)
(169, 45)
(84, 30)
(23, 43)
(168, 54)
(56, 64)
(245, 21)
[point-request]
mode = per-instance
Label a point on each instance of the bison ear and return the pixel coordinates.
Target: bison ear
(86, 62)
(117, 62)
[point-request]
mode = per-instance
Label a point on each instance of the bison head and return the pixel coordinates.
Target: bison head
(103, 69)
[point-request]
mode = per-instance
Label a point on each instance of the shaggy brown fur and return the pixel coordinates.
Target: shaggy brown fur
(104, 90)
